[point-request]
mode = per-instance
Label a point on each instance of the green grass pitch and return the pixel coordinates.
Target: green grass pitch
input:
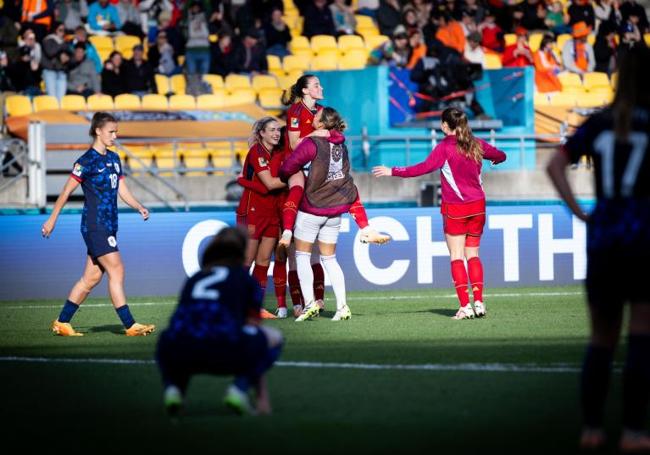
(505, 383)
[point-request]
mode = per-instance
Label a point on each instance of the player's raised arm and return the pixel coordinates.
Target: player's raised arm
(131, 201)
(70, 185)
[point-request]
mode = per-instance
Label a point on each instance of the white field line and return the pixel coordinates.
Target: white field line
(459, 367)
(351, 298)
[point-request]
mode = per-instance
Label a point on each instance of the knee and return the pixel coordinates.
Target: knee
(327, 259)
(116, 272)
(89, 280)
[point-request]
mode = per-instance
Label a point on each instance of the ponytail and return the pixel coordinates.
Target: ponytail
(295, 92)
(467, 144)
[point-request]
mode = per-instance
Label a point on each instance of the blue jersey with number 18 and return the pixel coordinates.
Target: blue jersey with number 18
(99, 175)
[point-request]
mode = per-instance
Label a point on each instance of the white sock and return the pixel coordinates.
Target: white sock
(337, 279)
(305, 275)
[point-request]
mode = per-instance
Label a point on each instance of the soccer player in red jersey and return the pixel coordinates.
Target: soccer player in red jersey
(459, 157)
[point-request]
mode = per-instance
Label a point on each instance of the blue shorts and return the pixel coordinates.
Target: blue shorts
(100, 243)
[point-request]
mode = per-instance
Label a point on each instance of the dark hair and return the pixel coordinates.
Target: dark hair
(227, 248)
(295, 92)
(55, 25)
(631, 88)
(99, 120)
(545, 40)
(467, 144)
(332, 120)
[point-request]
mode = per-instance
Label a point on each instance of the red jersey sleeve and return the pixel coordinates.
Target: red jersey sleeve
(293, 118)
(259, 159)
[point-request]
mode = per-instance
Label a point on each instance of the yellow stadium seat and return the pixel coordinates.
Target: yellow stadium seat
(321, 42)
(178, 84)
(561, 39)
(45, 103)
(101, 42)
(195, 163)
(99, 102)
(333, 52)
(613, 80)
(534, 41)
(73, 103)
(541, 99)
(212, 101)
(375, 41)
(595, 80)
(154, 102)
(241, 96)
(270, 98)
(592, 100)
(591, 39)
(127, 101)
(125, 44)
(510, 38)
(646, 38)
(368, 32)
(327, 62)
(353, 60)
(163, 86)
(262, 81)
(274, 62)
(165, 166)
(16, 105)
(237, 81)
(294, 62)
(182, 102)
(299, 43)
(563, 99)
(288, 80)
(569, 80)
(215, 81)
(222, 162)
(492, 61)
(349, 42)
(104, 54)
(364, 21)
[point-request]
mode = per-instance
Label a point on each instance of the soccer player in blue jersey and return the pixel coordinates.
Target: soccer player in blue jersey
(618, 250)
(216, 329)
(99, 172)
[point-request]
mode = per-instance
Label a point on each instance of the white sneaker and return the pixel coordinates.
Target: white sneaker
(464, 312)
(479, 309)
(342, 314)
(173, 399)
(369, 235)
(310, 312)
(321, 305)
(281, 313)
(238, 401)
(285, 240)
(297, 310)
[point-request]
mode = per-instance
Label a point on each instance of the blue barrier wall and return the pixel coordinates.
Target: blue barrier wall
(522, 245)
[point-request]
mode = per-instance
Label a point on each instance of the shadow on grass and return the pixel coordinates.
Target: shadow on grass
(447, 312)
(112, 328)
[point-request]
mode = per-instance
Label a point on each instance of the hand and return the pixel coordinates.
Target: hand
(47, 228)
(144, 212)
(382, 171)
(320, 133)
(582, 216)
(64, 58)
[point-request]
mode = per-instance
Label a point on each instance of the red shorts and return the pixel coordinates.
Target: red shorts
(464, 219)
(263, 226)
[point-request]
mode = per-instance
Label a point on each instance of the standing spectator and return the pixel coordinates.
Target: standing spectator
(82, 78)
(138, 73)
(582, 11)
(103, 18)
(577, 54)
(631, 36)
(606, 10)
(72, 13)
(81, 36)
(162, 56)
(491, 33)
(197, 47)
(605, 48)
(318, 19)
(25, 74)
(250, 55)
(389, 16)
(343, 16)
(476, 9)
(55, 62)
(556, 20)
(172, 33)
(473, 51)
(129, 15)
(394, 52)
(518, 54)
(223, 56)
(38, 15)
(422, 10)
(630, 6)
(410, 19)
(450, 32)
(8, 35)
(277, 35)
(368, 8)
(29, 40)
(113, 82)
(468, 23)
(149, 12)
(547, 67)
(534, 13)
(217, 18)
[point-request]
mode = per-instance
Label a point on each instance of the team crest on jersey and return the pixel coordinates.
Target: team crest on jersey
(294, 122)
(77, 170)
(112, 241)
(262, 161)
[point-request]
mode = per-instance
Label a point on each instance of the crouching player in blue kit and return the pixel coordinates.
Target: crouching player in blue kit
(216, 330)
(99, 172)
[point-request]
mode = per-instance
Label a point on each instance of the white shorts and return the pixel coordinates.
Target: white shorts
(310, 227)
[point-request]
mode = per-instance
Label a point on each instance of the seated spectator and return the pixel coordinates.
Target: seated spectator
(162, 56)
(534, 14)
(605, 48)
(25, 74)
(343, 16)
(81, 36)
(547, 67)
(197, 47)
(450, 32)
(468, 23)
(129, 15)
(250, 55)
(418, 48)
(577, 54)
(113, 81)
(389, 16)
(410, 19)
(103, 18)
(556, 20)
(82, 78)
(628, 7)
(395, 52)
(222, 60)
(476, 10)
(606, 11)
(28, 39)
(422, 10)
(56, 56)
(491, 33)
(518, 54)
(72, 13)
(277, 34)
(582, 11)
(174, 36)
(473, 51)
(138, 73)
(318, 19)
(631, 35)
(368, 8)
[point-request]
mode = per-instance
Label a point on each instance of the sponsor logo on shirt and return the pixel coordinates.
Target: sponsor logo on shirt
(262, 161)
(77, 170)
(294, 122)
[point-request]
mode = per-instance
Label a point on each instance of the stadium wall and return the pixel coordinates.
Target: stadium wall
(521, 246)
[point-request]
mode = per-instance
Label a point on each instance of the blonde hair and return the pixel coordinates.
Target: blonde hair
(258, 127)
(467, 144)
(332, 120)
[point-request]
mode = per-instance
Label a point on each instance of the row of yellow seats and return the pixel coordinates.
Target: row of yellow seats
(301, 45)
(177, 84)
(122, 43)
(366, 27)
(188, 150)
(325, 61)
(167, 162)
(535, 39)
(568, 99)
(590, 82)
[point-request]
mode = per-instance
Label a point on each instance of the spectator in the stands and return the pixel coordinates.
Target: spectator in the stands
(318, 19)
(113, 82)
(394, 52)
(28, 39)
(343, 16)
(476, 9)
(473, 51)
(453, 8)
(468, 23)
(519, 53)
(82, 78)
(217, 18)
(197, 47)
(149, 12)
(277, 34)
(25, 73)
(223, 56)
(547, 67)
(72, 13)
(6, 84)
(534, 14)
(138, 73)
(37, 15)
(410, 19)
(606, 48)
(632, 6)
(162, 56)
(55, 59)
(422, 10)
(418, 48)
(8, 35)
(103, 18)
(173, 35)
(631, 36)
(389, 16)
(577, 54)
(450, 32)
(606, 11)
(367, 8)
(556, 20)
(81, 36)
(582, 11)
(130, 18)
(491, 33)
(250, 55)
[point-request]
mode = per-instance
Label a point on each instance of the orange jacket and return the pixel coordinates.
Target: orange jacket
(36, 7)
(452, 35)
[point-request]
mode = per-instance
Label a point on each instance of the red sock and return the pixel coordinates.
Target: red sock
(260, 274)
(459, 275)
(294, 288)
(475, 269)
(290, 207)
(280, 283)
(358, 212)
(319, 281)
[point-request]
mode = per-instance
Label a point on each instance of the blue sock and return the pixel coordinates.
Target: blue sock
(68, 310)
(242, 383)
(125, 316)
(596, 371)
(636, 377)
